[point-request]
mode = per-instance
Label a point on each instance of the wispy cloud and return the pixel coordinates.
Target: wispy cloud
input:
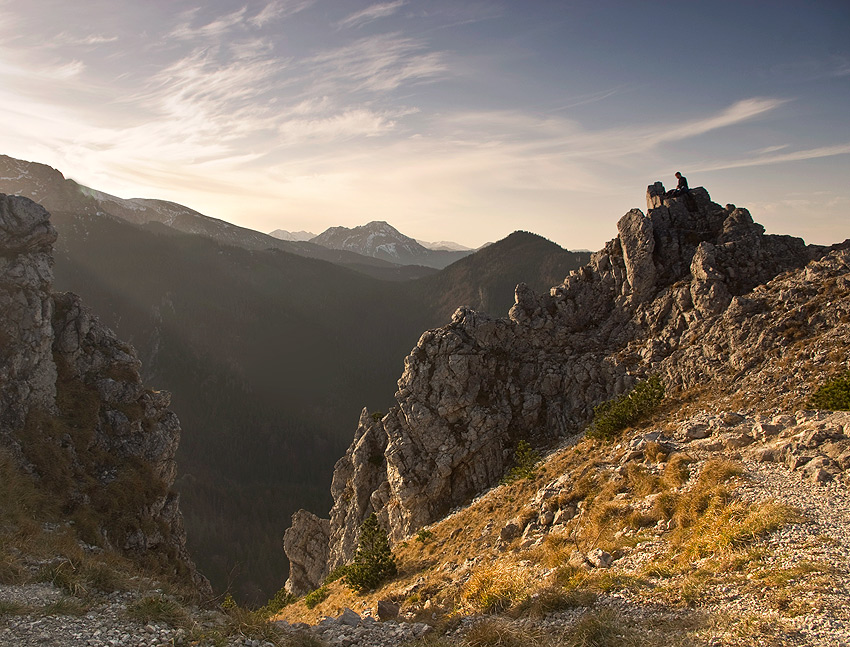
(568, 138)
(767, 158)
(587, 99)
(378, 64)
(370, 14)
(67, 38)
(213, 29)
(356, 122)
(279, 9)
(735, 114)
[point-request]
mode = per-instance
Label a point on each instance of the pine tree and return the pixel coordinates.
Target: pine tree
(373, 561)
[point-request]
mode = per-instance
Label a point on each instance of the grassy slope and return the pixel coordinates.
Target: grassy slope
(683, 512)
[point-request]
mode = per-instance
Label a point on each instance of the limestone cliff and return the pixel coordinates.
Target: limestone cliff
(73, 410)
(683, 272)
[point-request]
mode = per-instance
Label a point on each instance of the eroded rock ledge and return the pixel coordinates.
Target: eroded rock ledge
(471, 390)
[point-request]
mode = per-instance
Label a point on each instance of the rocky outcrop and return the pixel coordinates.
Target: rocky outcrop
(74, 410)
(471, 390)
(306, 545)
(27, 372)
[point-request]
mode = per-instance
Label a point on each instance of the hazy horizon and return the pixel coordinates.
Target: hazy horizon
(459, 121)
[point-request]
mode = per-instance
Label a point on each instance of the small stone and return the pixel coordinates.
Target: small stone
(564, 515)
(820, 475)
(510, 531)
(600, 558)
(765, 455)
(795, 461)
(731, 419)
(349, 618)
(736, 441)
(764, 430)
(387, 610)
(695, 431)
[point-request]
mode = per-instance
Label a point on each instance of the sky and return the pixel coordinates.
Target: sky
(458, 120)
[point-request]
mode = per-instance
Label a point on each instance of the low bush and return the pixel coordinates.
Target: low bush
(834, 395)
(526, 459)
(424, 535)
(280, 600)
(611, 417)
(316, 597)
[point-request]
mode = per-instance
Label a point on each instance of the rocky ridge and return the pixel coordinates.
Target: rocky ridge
(73, 411)
(681, 292)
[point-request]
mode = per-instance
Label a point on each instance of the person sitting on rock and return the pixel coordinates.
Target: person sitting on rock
(681, 188)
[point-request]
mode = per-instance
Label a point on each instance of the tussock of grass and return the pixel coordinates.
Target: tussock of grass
(8, 608)
(601, 628)
(11, 571)
(709, 490)
(496, 632)
(158, 608)
(677, 472)
(495, 587)
(555, 598)
(65, 575)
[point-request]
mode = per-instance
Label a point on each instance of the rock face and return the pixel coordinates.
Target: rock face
(682, 272)
(27, 372)
(73, 409)
(306, 545)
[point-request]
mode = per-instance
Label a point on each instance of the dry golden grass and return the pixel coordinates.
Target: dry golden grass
(496, 632)
(496, 587)
(724, 527)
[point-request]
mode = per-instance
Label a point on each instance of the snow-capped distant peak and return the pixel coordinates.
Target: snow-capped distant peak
(294, 236)
(380, 239)
(444, 245)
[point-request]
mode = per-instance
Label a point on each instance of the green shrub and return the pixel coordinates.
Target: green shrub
(834, 395)
(526, 460)
(315, 597)
(613, 416)
(281, 599)
(424, 535)
(337, 574)
(373, 562)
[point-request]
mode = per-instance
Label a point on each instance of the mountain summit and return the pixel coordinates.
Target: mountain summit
(379, 239)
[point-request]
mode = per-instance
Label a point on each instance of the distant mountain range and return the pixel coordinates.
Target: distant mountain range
(270, 354)
(379, 239)
(374, 239)
(49, 187)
